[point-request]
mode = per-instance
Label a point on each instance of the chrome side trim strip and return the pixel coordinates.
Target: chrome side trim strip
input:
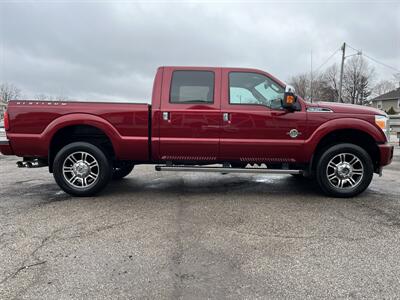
(319, 109)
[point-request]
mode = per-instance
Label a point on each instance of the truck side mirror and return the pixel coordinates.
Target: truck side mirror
(289, 98)
(289, 101)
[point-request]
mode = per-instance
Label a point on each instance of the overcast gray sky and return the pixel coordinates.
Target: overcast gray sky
(110, 50)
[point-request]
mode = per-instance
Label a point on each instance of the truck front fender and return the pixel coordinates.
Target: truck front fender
(341, 124)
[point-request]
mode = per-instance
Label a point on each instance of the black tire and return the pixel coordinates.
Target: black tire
(103, 169)
(122, 171)
(337, 185)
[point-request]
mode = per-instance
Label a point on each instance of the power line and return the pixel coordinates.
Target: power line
(381, 63)
(375, 60)
(333, 54)
(358, 50)
(319, 67)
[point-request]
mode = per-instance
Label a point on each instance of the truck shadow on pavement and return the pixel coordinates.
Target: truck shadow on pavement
(228, 184)
(212, 186)
(194, 186)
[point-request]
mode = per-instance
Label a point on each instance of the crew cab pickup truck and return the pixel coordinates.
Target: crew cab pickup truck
(202, 119)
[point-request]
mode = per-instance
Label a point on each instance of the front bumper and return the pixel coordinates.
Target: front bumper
(5, 147)
(386, 154)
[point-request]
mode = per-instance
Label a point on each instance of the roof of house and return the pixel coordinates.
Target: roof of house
(395, 94)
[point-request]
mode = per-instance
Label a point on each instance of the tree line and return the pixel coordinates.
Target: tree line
(358, 85)
(9, 91)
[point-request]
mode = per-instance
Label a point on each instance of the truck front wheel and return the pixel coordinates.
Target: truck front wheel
(81, 169)
(344, 170)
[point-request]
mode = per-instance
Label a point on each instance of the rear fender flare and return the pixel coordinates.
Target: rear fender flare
(81, 119)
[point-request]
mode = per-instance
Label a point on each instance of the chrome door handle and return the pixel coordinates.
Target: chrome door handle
(165, 116)
(225, 117)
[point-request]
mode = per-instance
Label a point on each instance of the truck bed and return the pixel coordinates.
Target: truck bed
(34, 122)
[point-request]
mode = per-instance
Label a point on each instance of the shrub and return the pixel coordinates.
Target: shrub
(391, 111)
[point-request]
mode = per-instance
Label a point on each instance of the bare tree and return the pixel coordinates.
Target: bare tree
(322, 87)
(357, 83)
(44, 97)
(323, 90)
(397, 79)
(301, 83)
(357, 80)
(9, 92)
(331, 77)
(383, 87)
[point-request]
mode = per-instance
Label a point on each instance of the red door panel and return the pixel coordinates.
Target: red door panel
(257, 133)
(189, 131)
(243, 136)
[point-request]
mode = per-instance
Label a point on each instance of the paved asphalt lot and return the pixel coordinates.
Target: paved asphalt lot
(195, 236)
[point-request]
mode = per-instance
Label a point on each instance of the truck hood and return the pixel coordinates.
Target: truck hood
(347, 108)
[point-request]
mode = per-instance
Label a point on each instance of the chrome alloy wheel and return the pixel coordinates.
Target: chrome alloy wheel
(81, 169)
(345, 171)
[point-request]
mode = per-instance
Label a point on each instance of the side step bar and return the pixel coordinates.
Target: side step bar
(226, 170)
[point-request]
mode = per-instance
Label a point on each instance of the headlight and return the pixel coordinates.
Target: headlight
(383, 123)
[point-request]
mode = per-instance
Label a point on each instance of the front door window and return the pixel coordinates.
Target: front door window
(252, 88)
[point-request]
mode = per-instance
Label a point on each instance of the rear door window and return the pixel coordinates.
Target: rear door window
(192, 87)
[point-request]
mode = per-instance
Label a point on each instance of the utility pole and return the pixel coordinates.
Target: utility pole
(341, 72)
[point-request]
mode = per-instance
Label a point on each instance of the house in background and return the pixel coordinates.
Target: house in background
(388, 100)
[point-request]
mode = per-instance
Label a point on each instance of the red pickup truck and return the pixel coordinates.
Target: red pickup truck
(202, 119)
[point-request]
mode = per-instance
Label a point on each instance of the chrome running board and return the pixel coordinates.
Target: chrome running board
(226, 170)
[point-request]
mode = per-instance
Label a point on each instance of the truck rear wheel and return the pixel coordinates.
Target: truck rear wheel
(81, 169)
(344, 170)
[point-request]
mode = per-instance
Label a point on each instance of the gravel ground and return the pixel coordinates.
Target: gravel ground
(195, 236)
